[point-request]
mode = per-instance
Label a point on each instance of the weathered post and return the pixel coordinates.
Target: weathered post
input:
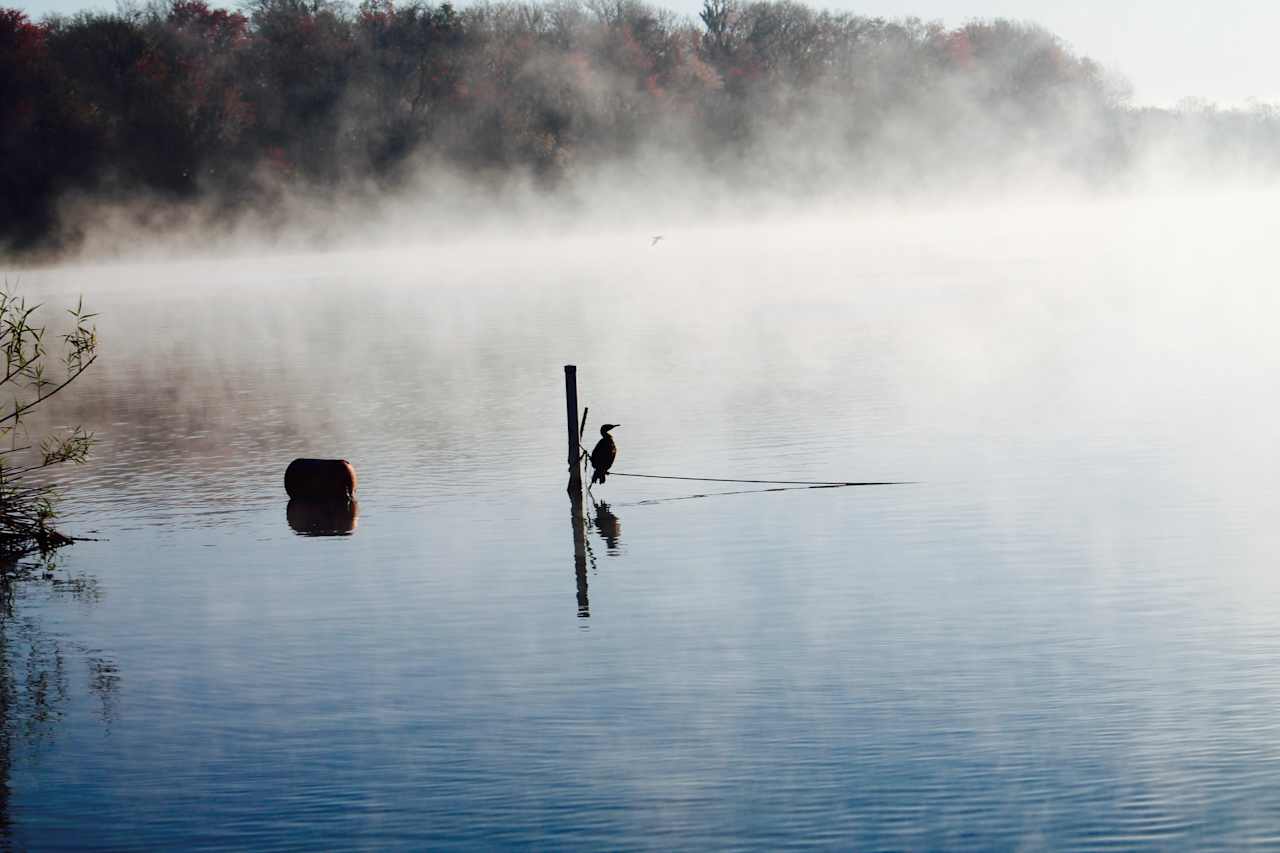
(575, 489)
(571, 410)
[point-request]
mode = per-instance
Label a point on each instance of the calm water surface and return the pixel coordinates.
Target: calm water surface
(1062, 635)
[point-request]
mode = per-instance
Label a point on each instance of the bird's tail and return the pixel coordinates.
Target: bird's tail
(598, 476)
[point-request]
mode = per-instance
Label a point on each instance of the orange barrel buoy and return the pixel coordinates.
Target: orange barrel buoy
(320, 479)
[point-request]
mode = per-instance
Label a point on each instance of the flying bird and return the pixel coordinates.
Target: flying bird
(656, 239)
(603, 454)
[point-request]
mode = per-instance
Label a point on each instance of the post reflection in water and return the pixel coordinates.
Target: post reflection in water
(322, 518)
(580, 555)
(609, 529)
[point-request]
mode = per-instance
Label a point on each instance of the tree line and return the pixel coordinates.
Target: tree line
(180, 100)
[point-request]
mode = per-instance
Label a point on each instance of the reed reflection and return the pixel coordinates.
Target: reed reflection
(36, 669)
(323, 518)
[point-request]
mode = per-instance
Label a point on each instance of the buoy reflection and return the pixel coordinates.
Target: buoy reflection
(323, 518)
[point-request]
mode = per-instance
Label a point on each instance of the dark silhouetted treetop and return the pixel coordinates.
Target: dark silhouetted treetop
(180, 101)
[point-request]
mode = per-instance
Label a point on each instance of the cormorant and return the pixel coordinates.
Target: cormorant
(604, 453)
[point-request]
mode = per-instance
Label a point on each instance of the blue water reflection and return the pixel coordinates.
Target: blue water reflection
(1061, 636)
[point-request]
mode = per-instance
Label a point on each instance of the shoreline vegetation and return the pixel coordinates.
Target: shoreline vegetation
(28, 508)
(183, 105)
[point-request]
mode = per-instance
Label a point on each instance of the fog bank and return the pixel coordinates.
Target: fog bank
(309, 124)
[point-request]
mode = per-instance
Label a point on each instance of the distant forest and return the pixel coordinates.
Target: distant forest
(183, 102)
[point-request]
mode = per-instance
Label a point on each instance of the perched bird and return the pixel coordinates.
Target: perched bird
(604, 453)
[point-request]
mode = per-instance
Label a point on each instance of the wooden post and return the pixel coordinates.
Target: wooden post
(575, 489)
(571, 410)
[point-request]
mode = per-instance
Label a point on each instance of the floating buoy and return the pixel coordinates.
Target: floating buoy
(320, 480)
(322, 518)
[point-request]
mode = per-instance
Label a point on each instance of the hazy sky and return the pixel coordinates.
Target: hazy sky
(1168, 49)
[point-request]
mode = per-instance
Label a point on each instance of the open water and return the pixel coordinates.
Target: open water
(1063, 633)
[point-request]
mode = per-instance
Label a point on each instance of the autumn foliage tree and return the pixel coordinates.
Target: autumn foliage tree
(180, 100)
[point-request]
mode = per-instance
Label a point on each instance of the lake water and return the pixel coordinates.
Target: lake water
(1063, 633)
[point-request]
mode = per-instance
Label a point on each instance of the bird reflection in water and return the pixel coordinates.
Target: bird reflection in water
(609, 529)
(323, 518)
(608, 526)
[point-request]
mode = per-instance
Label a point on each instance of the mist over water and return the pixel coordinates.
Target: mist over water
(959, 259)
(1060, 635)
(179, 128)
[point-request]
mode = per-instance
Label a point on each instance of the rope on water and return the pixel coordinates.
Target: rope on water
(766, 482)
(586, 455)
